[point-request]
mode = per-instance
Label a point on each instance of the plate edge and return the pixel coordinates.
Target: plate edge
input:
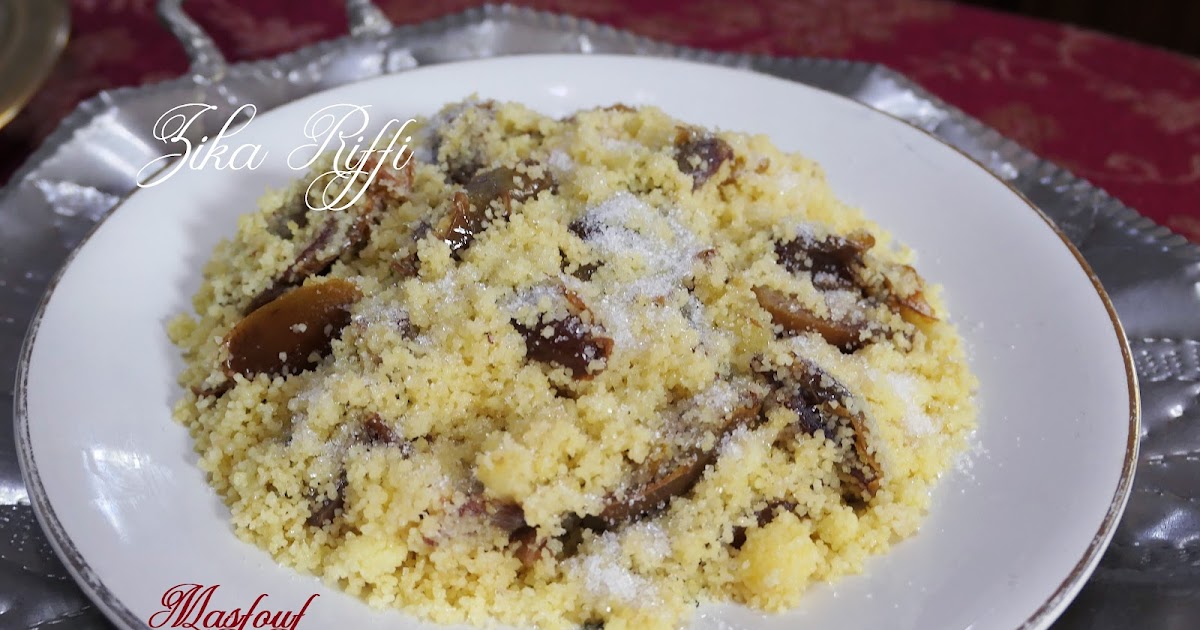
(1045, 614)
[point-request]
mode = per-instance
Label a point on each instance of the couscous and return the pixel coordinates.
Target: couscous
(588, 371)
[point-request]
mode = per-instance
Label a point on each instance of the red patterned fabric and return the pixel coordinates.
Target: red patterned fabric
(1123, 115)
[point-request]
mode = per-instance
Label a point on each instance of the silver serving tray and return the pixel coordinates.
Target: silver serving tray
(1150, 575)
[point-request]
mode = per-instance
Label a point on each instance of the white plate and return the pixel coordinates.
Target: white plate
(1007, 542)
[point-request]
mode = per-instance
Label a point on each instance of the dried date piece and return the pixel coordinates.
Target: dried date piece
(215, 391)
(463, 223)
(834, 261)
(651, 487)
(795, 319)
(527, 547)
(586, 271)
(488, 197)
(324, 513)
(761, 518)
(281, 336)
(505, 515)
(376, 431)
(837, 263)
(912, 307)
(700, 155)
(506, 185)
(585, 231)
(656, 483)
(669, 480)
(406, 263)
(341, 233)
(460, 167)
(582, 228)
(508, 516)
(293, 211)
(570, 343)
(824, 405)
(407, 266)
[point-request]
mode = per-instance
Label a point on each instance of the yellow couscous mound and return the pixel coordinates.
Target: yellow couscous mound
(556, 373)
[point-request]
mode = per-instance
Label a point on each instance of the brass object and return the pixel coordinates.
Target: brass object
(32, 34)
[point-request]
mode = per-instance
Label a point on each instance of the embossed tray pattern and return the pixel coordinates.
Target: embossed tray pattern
(1150, 576)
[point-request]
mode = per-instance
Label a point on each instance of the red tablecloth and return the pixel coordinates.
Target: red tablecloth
(1123, 115)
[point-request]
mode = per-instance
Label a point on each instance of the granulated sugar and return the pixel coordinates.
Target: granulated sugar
(606, 579)
(438, 458)
(915, 419)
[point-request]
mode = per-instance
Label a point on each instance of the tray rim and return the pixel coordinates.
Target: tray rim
(1061, 185)
(116, 611)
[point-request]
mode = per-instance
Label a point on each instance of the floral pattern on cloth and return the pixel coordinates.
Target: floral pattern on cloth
(1122, 115)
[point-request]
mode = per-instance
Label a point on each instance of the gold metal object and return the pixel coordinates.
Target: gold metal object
(32, 34)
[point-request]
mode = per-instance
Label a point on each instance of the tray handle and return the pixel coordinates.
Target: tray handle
(366, 19)
(208, 64)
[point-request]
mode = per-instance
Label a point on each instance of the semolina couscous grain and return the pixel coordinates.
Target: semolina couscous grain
(556, 372)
